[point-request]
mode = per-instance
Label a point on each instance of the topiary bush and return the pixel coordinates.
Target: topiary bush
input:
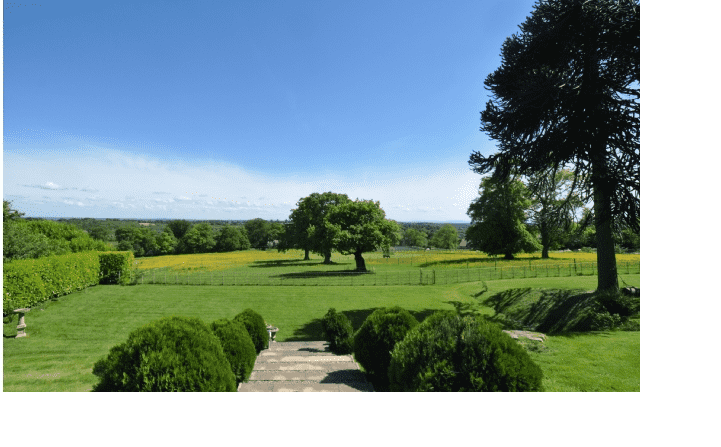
(375, 339)
(237, 346)
(170, 354)
(448, 352)
(255, 325)
(338, 331)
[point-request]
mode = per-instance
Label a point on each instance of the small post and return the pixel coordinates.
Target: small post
(21, 322)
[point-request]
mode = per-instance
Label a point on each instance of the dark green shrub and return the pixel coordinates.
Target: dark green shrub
(255, 325)
(170, 354)
(116, 267)
(448, 352)
(238, 347)
(338, 331)
(377, 336)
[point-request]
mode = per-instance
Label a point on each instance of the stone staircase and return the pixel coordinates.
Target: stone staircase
(304, 366)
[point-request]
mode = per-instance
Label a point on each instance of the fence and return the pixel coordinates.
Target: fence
(382, 278)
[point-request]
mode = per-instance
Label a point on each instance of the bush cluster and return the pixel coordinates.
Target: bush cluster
(448, 352)
(255, 325)
(338, 332)
(237, 346)
(375, 339)
(170, 354)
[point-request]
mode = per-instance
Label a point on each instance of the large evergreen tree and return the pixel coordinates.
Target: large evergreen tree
(568, 94)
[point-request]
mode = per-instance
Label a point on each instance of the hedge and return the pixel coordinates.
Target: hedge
(27, 282)
(116, 267)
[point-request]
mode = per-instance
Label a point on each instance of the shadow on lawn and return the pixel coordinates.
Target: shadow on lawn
(321, 274)
(551, 311)
(469, 260)
(313, 330)
(287, 263)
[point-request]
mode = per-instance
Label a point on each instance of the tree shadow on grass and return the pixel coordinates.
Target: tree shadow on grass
(482, 260)
(551, 311)
(287, 262)
(321, 274)
(313, 330)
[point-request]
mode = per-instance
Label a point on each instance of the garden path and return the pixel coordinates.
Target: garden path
(304, 366)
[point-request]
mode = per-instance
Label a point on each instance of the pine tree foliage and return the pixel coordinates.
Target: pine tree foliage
(568, 94)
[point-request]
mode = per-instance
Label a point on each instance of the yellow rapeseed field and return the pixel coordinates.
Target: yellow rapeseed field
(214, 261)
(223, 261)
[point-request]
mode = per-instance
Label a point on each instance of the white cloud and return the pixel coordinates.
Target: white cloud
(119, 184)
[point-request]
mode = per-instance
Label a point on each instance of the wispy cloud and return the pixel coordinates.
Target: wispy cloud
(102, 182)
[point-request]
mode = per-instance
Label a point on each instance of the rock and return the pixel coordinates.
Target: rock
(537, 336)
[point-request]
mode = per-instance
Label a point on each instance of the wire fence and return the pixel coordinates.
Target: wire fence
(382, 278)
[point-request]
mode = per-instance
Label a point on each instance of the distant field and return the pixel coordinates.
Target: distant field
(256, 267)
(415, 259)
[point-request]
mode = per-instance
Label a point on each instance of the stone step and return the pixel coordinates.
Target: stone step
(280, 353)
(302, 358)
(297, 345)
(304, 366)
(341, 376)
(307, 386)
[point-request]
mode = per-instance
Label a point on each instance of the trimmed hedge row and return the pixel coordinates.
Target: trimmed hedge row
(116, 267)
(28, 282)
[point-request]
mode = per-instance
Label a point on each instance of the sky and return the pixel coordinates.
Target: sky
(238, 109)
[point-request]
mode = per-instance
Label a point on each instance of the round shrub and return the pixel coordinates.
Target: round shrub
(452, 353)
(375, 339)
(255, 325)
(237, 346)
(338, 331)
(170, 354)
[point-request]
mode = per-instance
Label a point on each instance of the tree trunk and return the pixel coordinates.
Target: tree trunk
(307, 255)
(508, 256)
(545, 240)
(603, 189)
(326, 258)
(605, 247)
(360, 263)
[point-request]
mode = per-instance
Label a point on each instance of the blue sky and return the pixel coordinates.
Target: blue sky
(236, 110)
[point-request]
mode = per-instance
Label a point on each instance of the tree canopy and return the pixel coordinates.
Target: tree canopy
(308, 227)
(498, 219)
(415, 238)
(554, 205)
(361, 226)
(231, 239)
(446, 237)
(567, 93)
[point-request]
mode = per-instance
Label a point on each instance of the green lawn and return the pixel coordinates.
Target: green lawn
(66, 337)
